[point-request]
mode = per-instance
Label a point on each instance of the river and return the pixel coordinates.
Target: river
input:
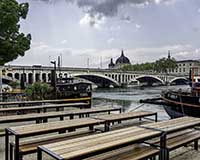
(128, 98)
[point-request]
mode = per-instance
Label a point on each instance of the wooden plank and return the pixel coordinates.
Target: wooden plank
(174, 124)
(30, 145)
(132, 152)
(103, 142)
(35, 116)
(44, 101)
(95, 110)
(120, 131)
(122, 116)
(178, 141)
(27, 130)
(42, 107)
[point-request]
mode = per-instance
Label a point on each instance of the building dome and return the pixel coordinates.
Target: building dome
(122, 60)
(111, 65)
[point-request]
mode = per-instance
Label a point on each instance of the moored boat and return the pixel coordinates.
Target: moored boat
(181, 103)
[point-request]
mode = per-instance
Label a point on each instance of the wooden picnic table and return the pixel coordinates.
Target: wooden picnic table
(171, 126)
(60, 114)
(24, 103)
(84, 147)
(42, 108)
(174, 125)
(124, 116)
(91, 145)
(45, 128)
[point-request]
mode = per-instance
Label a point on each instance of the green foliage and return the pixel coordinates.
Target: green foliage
(139, 67)
(39, 91)
(161, 65)
(14, 84)
(12, 42)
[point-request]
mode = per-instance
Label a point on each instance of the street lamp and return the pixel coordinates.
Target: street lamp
(54, 78)
(1, 83)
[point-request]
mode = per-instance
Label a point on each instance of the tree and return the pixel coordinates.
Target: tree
(12, 42)
(164, 64)
(39, 91)
(161, 65)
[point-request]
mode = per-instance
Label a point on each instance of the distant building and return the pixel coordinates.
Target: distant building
(183, 67)
(120, 62)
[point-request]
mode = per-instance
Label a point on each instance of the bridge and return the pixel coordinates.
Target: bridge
(100, 77)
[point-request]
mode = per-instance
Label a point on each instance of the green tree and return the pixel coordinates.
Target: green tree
(12, 42)
(39, 91)
(161, 65)
(164, 64)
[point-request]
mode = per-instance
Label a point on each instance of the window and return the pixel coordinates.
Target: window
(179, 69)
(183, 69)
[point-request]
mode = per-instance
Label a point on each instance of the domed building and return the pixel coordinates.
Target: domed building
(120, 62)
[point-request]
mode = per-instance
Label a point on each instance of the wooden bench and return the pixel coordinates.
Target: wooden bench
(104, 144)
(44, 117)
(140, 151)
(29, 146)
(180, 139)
(123, 117)
(28, 131)
(40, 102)
(133, 152)
(177, 133)
(41, 108)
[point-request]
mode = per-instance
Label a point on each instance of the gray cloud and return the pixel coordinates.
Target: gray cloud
(106, 8)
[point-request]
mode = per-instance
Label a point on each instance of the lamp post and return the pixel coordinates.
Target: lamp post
(1, 83)
(54, 78)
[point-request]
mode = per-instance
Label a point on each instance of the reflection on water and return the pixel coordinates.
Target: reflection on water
(128, 98)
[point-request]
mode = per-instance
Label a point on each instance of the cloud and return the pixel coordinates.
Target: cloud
(80, 56)
(126, 18)
(115, 28)
(110, 40)
(97, 10)
(137, 26)
(63, 41)
(94, 21)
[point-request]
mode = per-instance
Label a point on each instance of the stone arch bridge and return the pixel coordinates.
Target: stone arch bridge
(100, 77)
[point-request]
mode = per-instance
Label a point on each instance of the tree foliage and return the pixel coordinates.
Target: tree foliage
(161, 65)
(39, 91)
(164, 64)
(12, 42)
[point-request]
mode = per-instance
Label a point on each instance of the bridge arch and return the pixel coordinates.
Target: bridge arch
(30, 78)
(179, 81)
(17, 76)
(8, 79)
(100, 80)
(10, 75)
(149, 79)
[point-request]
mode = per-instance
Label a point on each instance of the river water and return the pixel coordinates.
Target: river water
(128, 98)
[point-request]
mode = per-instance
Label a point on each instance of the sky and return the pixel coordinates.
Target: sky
(88, 33)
